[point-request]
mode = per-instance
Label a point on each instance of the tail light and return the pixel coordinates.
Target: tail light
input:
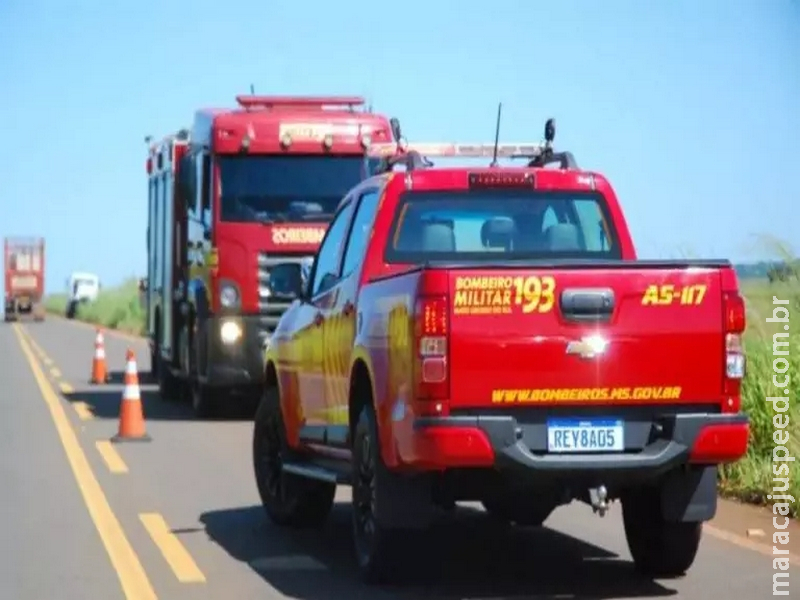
(735, 361)
(431, 371)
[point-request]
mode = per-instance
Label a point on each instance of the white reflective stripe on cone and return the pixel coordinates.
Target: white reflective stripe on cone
(131, 392)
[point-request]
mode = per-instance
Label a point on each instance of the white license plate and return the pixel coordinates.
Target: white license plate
(576, 435)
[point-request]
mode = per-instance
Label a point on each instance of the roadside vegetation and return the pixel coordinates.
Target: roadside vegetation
(116, 308)
(750, 480)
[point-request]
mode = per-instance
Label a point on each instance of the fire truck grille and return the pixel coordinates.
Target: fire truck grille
(269, 308)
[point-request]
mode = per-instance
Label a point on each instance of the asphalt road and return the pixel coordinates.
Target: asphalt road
(178, 517)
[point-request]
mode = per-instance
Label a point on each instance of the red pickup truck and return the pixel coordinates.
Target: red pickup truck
(488, 334)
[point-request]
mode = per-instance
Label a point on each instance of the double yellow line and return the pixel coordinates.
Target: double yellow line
(130, 572)
(132, 577)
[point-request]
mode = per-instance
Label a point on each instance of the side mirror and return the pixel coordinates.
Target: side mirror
(207, 235)
(286, 281)
(142, 285)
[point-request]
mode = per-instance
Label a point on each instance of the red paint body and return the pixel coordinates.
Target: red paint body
(24, 265)
(260, 120)
(667, 346)
(229, 213)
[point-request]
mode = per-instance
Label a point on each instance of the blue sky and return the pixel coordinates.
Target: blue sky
(686, 106)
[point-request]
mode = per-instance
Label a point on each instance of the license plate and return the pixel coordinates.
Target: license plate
(575, 435)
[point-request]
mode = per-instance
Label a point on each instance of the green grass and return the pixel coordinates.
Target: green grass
(749, 480)
(117, 308)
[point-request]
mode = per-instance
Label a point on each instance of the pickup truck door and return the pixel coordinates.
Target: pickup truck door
(313, 328)
(341, 327)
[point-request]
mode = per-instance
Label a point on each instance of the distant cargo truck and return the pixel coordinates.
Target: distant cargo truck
(24, 278)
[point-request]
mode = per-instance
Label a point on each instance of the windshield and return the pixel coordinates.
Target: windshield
(497, 224)
(286, 188)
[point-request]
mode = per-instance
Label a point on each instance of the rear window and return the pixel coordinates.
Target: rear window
(493, 225)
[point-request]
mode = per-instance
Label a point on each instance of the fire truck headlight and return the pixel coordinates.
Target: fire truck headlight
(230, 332)
(228, 295)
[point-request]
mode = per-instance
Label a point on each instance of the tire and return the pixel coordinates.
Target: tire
(170, 388)
(513, 509)
(659, 548)
(288, 499)
(377, 548)
(205, 401)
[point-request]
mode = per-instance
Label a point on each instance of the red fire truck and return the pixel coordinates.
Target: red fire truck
(24, 278)
(244, 189)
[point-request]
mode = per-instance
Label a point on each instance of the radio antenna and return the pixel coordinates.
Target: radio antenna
(497, 135)
(252, 90)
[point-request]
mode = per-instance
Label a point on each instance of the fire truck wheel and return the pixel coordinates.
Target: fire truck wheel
(170, 388)
(205, 401)
(659, 548)
(288, 499)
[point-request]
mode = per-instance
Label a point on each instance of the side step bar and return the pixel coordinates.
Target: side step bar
(313, 471)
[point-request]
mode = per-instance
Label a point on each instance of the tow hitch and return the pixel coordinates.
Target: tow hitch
(598, 497)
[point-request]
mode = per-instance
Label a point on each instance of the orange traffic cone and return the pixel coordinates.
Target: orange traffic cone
(131, 415)
(99, 368)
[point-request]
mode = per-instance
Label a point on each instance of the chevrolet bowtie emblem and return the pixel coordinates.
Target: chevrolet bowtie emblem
(588, 347)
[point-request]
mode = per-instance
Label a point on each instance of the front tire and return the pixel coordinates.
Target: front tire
(660, 548)
(205, 400)
(170, 388)
(288, 499)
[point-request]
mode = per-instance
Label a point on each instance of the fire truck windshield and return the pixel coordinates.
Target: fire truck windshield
(268, 189)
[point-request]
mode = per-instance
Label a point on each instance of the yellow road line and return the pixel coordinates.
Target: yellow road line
(55, 372)
(132, 577)
(66, 388)
(174, 552)
(47, 362)
(113, 460)
(84, 411)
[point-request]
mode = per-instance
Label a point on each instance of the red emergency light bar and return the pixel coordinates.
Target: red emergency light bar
(449, 150)
(269, 102)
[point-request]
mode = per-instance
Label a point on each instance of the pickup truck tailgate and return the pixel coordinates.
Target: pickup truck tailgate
(633, 335)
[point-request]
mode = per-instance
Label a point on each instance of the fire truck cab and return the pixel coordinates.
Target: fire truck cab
(243, 190)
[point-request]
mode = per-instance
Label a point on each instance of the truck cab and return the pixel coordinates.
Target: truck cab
(238, 192)
(82, 288)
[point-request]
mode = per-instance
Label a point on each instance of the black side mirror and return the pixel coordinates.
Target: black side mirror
(207, 235)
(142, 285)
(286, 281)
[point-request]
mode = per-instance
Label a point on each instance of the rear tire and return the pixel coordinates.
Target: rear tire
(659, 548)
(378, 552)
(288, 499)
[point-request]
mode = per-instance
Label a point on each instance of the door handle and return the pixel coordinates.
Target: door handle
(348, 308)
(318, 319)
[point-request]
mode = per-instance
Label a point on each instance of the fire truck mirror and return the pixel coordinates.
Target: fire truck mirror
(286, 280)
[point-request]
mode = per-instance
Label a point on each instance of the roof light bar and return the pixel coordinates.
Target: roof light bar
(450, 150)
(298, 101)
